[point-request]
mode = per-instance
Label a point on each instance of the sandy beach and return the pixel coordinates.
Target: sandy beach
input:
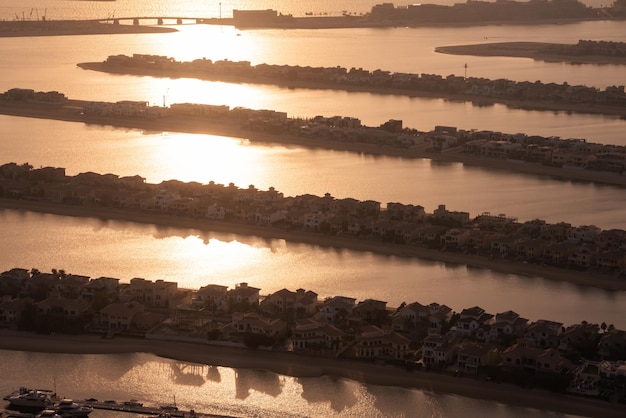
(297, 365)
(595, 279)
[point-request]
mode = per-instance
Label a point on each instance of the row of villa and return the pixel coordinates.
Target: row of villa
(588, 357)
(552, 151)
(535, 241)
(396, 83)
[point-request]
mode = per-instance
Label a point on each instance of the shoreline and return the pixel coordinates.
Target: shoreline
(297, 365)
(578, 278)
(70, 112)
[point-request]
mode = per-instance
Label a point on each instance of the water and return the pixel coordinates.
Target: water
(232, 392)
(195, 258)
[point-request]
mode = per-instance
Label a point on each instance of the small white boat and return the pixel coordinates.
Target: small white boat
(68, 408)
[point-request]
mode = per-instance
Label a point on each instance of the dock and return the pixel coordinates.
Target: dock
(132, 407)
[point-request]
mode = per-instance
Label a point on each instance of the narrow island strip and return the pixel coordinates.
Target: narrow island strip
(584, 52)
(569, 159)
(514, 94)
(533, 248)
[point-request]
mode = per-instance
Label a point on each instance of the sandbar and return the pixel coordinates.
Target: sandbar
(299, 365)
(535, 50)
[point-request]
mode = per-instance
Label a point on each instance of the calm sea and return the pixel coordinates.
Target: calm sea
(195, 258)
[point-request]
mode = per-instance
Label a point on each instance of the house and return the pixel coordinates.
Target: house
(158, 293)
(244, 295)
(72, 285)
(504, 246)
(507, 323)
(212, 296)
(105, 286)
(612, 345)
(11, 311)
(612, 260)
(269, 216)
(551, 361)
(311, 336)
(438, 351)
(253, 323)
(455, 238)
(579, 335)
(442, 214)
(144, 321)
(314, 220)
(284, 300)
(471, 356)
(120, 316)
(39, 285)
(336, 309)
(11, 281)
(584, 256)
(584, 233)
(370, 311)
(414, 312)
(62, 306)
(470, 320)
(373, 342)
(522, 356)
(431, 233)
(559, 253)
(301, 302)
(215, 211)
(531, 249)
(439, 318)
(543, 333)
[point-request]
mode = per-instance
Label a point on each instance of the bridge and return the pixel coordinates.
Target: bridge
(157, 20)
(163, 20)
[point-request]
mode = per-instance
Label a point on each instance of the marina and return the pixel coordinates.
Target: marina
(44, 403)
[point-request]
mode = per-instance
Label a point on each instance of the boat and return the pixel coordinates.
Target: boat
(17, 414)
(31, 398)
(48, 413)
(68, 408)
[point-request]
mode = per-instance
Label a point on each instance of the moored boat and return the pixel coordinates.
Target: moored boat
(48, 413)
(31, 398)
(68, 408)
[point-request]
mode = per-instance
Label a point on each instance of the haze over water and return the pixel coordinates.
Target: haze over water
(196, 258)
